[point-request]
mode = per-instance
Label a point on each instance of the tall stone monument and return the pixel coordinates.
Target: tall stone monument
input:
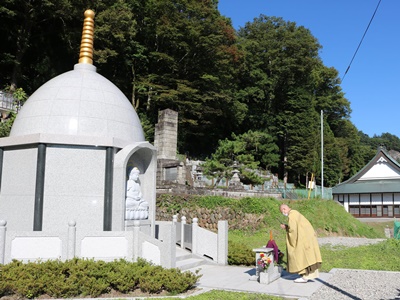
(166, 134)
(169, 168)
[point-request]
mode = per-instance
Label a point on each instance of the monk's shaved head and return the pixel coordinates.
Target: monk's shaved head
(284, 208)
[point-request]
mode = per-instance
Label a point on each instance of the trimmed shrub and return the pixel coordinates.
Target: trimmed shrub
(89, 278)
(240, 254)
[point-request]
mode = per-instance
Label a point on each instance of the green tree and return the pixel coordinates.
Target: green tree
(330, 97)
(191, 54)
(278, 59)
(275, 82)
(300, 136)
(247, 153)
(117, 50)
(38, 40)
(285, 86)
(354, 154)
(332, 159)
(262, 147)
(390, 141)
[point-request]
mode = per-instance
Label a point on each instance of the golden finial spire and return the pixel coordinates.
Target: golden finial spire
(86, 53)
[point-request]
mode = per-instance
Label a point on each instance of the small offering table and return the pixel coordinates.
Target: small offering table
(273, 272)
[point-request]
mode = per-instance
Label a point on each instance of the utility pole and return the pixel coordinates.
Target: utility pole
(322, 154)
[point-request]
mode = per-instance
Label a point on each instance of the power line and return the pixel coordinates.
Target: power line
(355, 53)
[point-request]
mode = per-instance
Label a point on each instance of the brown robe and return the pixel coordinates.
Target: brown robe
(303, 251)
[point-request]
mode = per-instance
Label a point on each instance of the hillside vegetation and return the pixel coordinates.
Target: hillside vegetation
(327, 216)
(260, 218)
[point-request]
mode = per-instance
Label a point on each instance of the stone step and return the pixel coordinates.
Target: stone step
(189, 263)
(182, 254)
(185, 260)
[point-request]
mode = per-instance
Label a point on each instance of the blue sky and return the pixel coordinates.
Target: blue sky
(372, 82)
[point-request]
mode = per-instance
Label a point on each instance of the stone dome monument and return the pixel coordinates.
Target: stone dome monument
(67, 159)
(80, 103)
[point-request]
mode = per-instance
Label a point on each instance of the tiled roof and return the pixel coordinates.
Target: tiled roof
(381, 174)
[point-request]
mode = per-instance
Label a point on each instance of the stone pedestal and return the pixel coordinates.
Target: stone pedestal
(144, 225)
(263, 278)
(273, 272)
(267, 252)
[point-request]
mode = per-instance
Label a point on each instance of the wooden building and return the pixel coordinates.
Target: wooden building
(374, 191)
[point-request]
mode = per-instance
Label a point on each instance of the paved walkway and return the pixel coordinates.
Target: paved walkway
(234, 278)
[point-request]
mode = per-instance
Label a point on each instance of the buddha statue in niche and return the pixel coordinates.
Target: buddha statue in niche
(136, 208)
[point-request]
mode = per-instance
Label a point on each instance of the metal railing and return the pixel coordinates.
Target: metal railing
(8, 102)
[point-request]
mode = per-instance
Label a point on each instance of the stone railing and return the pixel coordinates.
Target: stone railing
(203, 242)
(98, 245)
(110, 245)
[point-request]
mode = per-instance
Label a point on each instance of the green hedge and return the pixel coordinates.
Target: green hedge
(89, 278)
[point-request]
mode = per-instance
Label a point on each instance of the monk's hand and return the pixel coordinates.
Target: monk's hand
(283, 226)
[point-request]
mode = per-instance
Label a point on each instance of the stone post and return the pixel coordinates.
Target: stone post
(71, 244)
(136, 248)
(183, 222)
(195, 227)
(222, 243)
(3, 228)
(172, 242)
(387, 232)
(174, 222)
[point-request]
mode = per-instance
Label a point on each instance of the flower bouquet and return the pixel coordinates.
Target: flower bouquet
(263, 262)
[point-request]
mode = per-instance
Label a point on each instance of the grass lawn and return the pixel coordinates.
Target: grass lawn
(382, 256)
(380, 226)
(224, 295)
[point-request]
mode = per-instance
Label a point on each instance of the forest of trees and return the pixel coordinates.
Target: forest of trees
(253, 96)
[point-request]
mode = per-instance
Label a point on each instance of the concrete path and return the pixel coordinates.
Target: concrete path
(234, 278)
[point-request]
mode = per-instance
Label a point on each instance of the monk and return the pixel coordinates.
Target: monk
(303, 254)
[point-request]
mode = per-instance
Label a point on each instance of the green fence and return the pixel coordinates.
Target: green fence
(396, 231)
(314, 193)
